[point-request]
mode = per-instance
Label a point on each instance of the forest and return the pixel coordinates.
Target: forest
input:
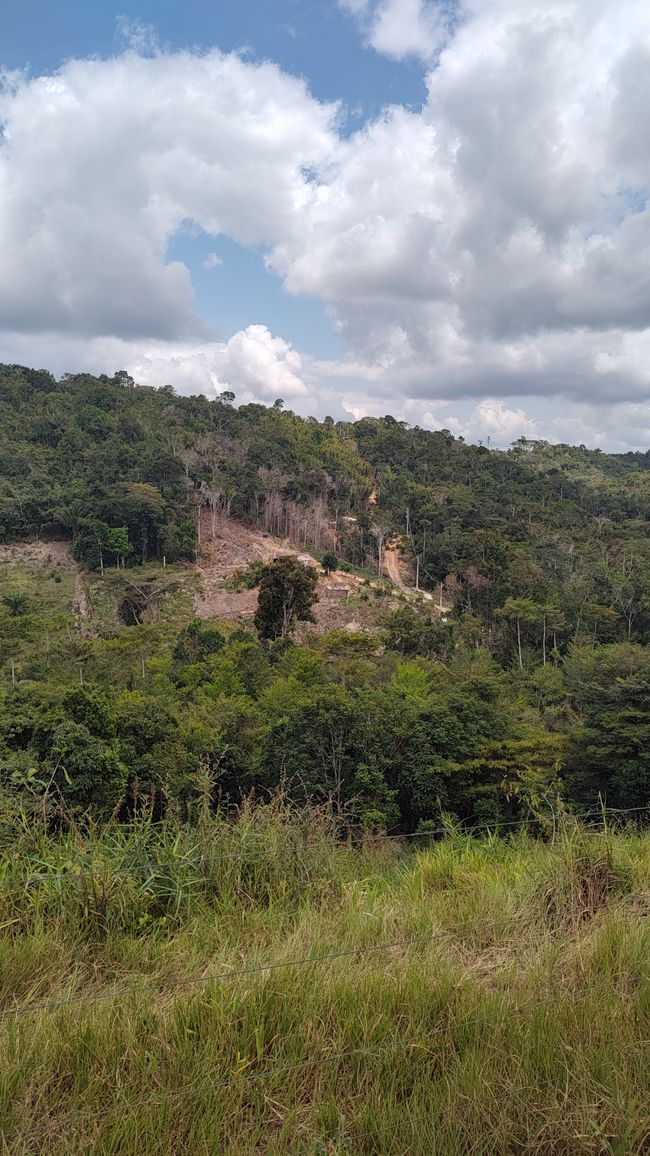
(324, 783)
(529, 696)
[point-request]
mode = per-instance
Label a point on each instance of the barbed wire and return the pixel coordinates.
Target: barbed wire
(418, 1041)
(256, 969)
(253, 1075)
(365, 842)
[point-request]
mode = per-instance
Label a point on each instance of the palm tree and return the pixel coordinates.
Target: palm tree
(15, 603)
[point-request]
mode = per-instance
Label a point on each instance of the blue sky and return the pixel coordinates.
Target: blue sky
(309, 38)
(432, 208)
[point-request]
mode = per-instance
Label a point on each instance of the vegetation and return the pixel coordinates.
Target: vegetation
(329, 561)
(534, 547)
(530, 696)
(287, 593)
(510, 1014)
(208, 943)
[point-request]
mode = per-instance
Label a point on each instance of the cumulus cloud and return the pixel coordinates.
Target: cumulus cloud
(492, 421)
(493, 245)
(254, 364)
(403, 28)
(101, 165)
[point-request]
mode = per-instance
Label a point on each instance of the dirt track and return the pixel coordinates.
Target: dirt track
(392, 569)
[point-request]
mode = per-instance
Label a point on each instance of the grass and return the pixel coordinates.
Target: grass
(45, 624)
(515, 1019)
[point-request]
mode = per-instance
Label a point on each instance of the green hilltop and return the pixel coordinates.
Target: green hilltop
(516, 681)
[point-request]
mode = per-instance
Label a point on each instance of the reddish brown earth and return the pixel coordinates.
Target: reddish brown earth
(234, 546)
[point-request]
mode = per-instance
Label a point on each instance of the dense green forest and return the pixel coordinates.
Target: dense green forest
(532, 694)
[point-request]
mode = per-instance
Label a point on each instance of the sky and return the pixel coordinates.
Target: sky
(436, 209)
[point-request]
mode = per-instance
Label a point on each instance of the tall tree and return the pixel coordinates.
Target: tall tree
(287, 593)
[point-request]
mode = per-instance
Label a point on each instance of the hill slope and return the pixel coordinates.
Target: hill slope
(129, 668)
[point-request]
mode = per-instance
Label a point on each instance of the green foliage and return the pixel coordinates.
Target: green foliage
(196, 642)
(329, 561)
(86, 771)
(15, 603)
(532, 683)
(414, 632)
(287, 592)
(608, 754)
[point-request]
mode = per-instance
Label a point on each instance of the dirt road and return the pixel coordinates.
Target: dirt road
(391, 568)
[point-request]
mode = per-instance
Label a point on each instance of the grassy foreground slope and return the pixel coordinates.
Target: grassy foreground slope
(511, 1013)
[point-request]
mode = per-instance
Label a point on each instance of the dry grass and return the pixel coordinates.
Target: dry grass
(515, 1019)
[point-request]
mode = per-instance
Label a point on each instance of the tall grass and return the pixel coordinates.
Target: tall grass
(512, 1014)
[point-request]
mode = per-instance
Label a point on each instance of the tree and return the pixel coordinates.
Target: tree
(16, 604)
(196, 642)
(330, 561)
(608, 756)
(117, 543)
(526, 611)
(85, 770)
(287, 593)
(414, 632)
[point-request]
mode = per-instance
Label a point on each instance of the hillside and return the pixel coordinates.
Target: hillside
(127, 473)
(134, 523)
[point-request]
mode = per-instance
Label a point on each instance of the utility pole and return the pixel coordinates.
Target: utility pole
(426, 526)
(417, 572)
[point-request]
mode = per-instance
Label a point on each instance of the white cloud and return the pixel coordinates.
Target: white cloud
(491, 421)
(403, 28)
(254, 364)
(212, 261)
(494, 245)
(102, 163)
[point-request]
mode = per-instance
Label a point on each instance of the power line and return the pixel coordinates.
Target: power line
(263, 853)
(342, 844)
(257, 969)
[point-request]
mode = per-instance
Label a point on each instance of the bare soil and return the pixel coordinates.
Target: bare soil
(25, 554)
(235, 545)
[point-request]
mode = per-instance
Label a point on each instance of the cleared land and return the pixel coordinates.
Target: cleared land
(228, 547)
(251, 988)
(346, 600)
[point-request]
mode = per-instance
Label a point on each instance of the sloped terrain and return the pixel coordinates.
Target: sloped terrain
(345, 600)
